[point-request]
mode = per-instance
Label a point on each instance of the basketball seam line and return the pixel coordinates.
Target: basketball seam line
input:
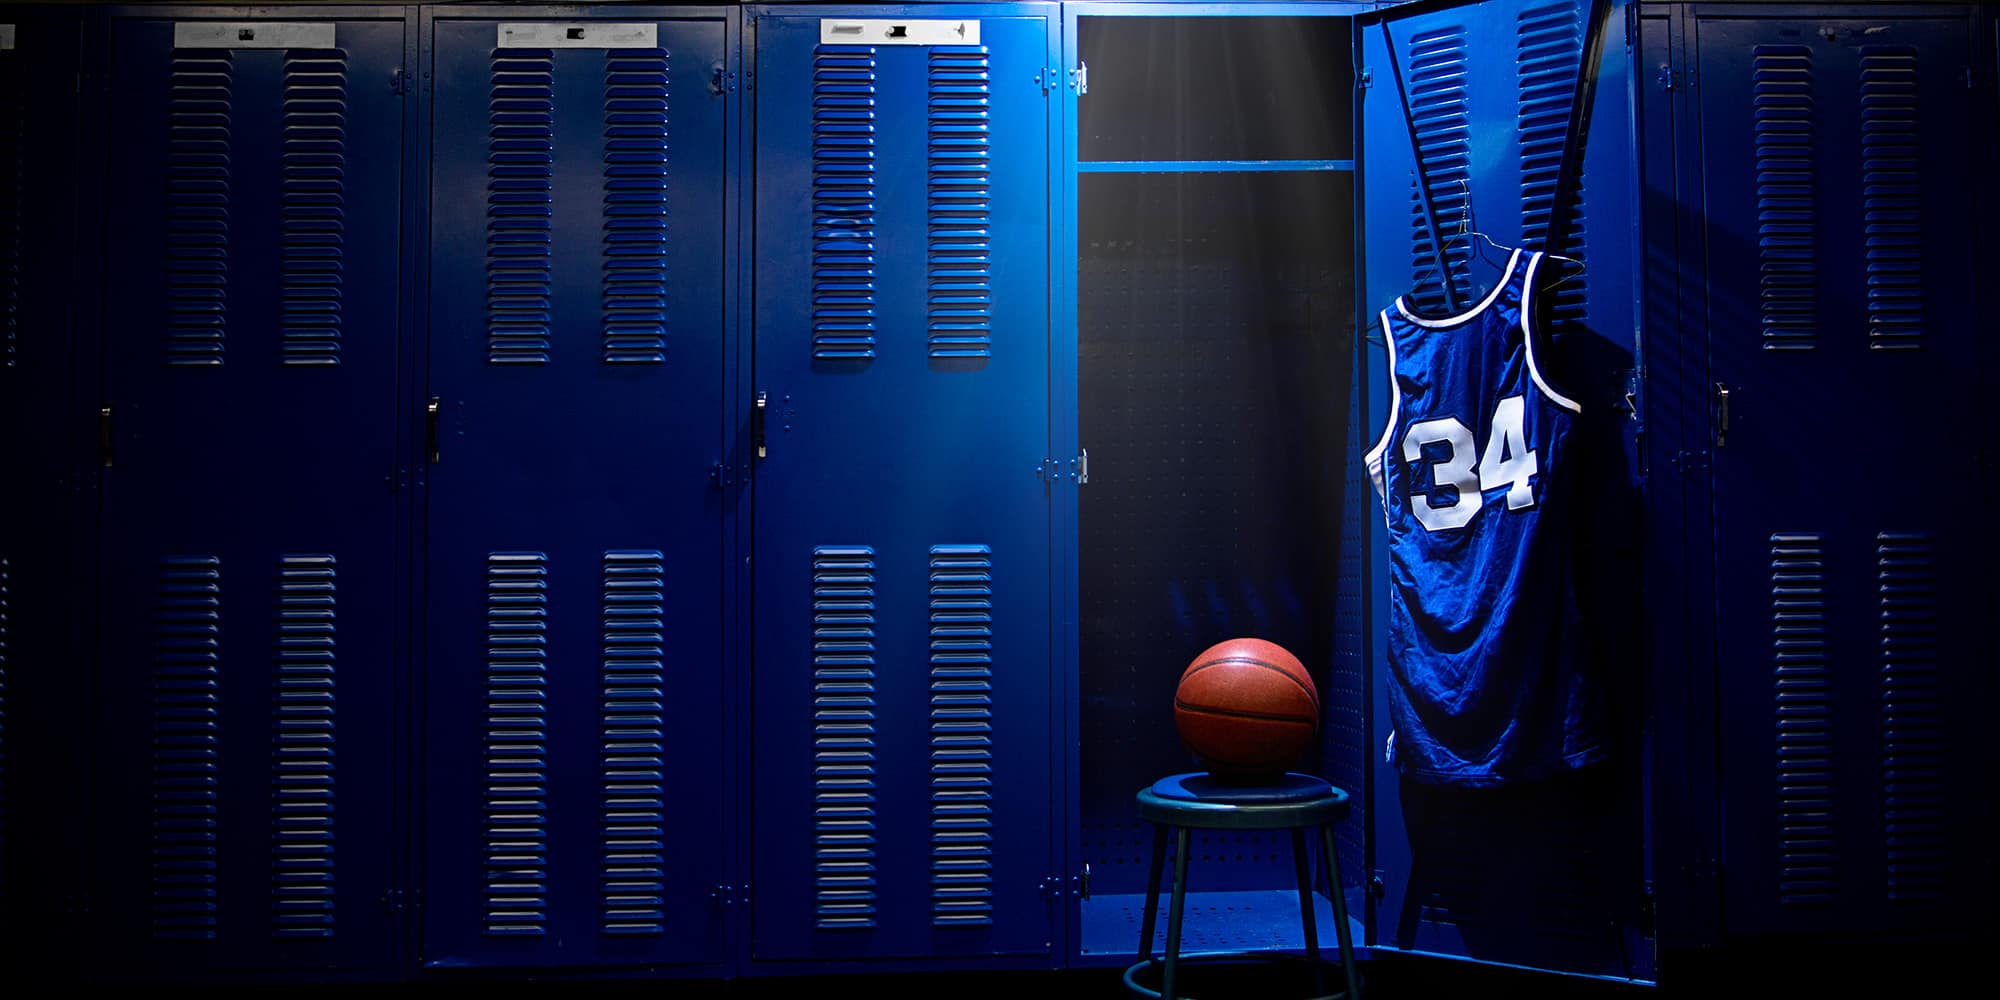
(1234, 713)
(1274, 668)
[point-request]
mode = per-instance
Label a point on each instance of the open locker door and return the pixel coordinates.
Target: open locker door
(1463, 118)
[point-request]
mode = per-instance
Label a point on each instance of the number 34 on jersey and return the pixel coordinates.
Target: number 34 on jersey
(1506, 462)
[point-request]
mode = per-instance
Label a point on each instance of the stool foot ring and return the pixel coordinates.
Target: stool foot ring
(1224, 957)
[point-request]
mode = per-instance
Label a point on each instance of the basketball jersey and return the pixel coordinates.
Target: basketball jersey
(1484, 686)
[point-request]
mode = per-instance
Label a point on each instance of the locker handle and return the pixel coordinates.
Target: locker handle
(1721, 414)
(431, 429)
(757, 422)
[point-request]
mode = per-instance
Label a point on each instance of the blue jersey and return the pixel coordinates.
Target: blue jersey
(1484, 684)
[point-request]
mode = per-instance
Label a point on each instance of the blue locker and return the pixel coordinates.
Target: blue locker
(576, 783)
(45, 423)
(1834, 334)
(904, 725)
(248, 793)
(1552, 876)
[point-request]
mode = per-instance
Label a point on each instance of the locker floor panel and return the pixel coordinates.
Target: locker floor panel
(1250, 920)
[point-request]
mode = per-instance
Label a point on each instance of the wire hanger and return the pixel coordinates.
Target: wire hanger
(1465, 229)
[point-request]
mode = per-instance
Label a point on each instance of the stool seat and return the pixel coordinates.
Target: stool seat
(1197, 799)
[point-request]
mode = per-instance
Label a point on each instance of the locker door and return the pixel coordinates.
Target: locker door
(1852, 570)
(1542, 875)
(903, 686)
(576, 757)
(45, 445)
(248, 811)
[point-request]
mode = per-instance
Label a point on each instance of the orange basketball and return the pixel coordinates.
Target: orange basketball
(1247, 708)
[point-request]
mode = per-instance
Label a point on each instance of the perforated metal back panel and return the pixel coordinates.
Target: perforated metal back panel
(248, 815)
(1214, 321)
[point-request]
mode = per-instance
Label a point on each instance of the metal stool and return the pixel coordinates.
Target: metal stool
(1183, 802)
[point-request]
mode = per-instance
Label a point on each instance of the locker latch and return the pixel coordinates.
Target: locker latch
(757, 422)
(1079, 79)
(1079, 468)
(431, 429)
(104, 435)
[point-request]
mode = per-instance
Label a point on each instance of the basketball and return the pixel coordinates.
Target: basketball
(1247, 708)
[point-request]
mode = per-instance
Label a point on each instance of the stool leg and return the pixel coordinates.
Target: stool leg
(1340, 913)
(1174, 910)
(1306, 916)
(1147, 921)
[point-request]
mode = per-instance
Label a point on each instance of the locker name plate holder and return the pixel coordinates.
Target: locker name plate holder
(853, 31)
(6, 36)
(587, 35)
(252, 35)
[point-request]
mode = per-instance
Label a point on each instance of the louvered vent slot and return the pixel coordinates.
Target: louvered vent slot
(315, 168)
(634, 758)
(186, 692)
(517, 770)
(1440, 110)
(1890, 194)
(1804, 720)
(303, 773)
(843, 224)
(1787, 220)
(520, 205)
(844, 736)
(635, 206)
(1913, 743)
(961, 205)
(13, 153)
(1549, 42)
(198, 206)
(961, 734)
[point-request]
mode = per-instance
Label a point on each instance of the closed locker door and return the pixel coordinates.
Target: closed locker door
(575, 784)
(1846, 327)
(901, 566)
(248, 812)
(45, 448)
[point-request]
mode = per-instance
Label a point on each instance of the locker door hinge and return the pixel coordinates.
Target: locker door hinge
(1689, 462)
(1376, 884)
(1052, 888)
(399, 82)
(1079, 79)
(720, 474)
(1048, 470)
(392, 901)
(1365, 79)
(726, 895)
(1969, 85)
(721, 80)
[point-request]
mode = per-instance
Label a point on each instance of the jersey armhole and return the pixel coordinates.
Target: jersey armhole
(1376, 471)
(1530, 333)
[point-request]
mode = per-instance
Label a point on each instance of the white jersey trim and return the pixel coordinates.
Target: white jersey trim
(1491, 297)
(1374, 458)
(1528, 339)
